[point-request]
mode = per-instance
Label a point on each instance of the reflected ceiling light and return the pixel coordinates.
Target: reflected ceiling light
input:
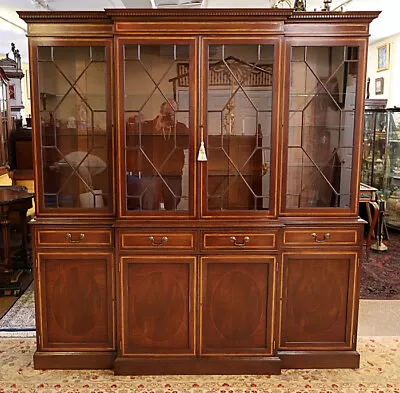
(41, 4)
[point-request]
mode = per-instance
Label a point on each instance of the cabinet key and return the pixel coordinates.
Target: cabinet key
(80, 237)
(246, 239)
(315, 237)
(164, 239)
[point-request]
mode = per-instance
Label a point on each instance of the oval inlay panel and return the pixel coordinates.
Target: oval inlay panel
(236, 306)
(75, 299)
(159, 306)
(318, 318)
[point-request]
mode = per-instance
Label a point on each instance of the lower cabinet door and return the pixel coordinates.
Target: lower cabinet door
(75, 295)
(237, 305)
(158, 303)
(318, 300)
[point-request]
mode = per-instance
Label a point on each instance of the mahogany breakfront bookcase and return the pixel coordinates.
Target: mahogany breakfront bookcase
(150, 259)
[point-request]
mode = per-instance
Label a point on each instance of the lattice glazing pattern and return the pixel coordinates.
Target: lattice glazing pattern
(321, 126)
(75, 133)
(239, 116)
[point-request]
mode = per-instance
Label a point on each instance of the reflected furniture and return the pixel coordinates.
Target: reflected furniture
(250, 122)
(14, 199)
(381, 152)
(5, 120)
(374, 143)
(369, 198)
(392, 164)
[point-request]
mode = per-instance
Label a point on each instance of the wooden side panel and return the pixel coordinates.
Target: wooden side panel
(318, 300)
(236, 308)
(157, 305)
(75, 301)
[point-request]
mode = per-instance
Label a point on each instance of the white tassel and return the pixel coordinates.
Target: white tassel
(202, 156)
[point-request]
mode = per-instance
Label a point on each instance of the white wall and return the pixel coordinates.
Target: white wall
(391, 76)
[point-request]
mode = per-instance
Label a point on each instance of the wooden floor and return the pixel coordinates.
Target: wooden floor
(5, 303)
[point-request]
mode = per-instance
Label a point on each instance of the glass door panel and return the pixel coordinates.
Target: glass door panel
(239, 123)
(156, 84)
(75, 126)
(323, 87)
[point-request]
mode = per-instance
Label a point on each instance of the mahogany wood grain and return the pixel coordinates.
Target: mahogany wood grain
(317, 295)
(74, 360)
(239, 241)
(320, 236)
(74, 237)
(157, 305)
(198, 303)
(319, 359)
(203, 366)
(76, 299)
(155, 241)
(228, 285)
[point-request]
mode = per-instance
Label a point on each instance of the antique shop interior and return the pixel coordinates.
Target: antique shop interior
(195, 187)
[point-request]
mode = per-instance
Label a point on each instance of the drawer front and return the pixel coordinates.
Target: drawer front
(74, 237)
(157, 240)
(239, 240)
(320, 237)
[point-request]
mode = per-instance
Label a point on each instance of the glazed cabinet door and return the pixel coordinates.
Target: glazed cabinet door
(323, 126)
(237, 303)
(157, 305)
(241, 92)
(157, 126)
(75, 293)
(318, 300)
(72, 126)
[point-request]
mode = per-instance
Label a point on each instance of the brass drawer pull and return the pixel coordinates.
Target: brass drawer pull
(246, 239)
(326, 237)
(164, 239)
(80, 237)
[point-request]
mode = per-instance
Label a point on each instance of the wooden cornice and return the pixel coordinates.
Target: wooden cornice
(64, 17)
(333, 17)
(204, 14)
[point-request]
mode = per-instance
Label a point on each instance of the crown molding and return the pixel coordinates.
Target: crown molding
(64, 16)
(333, 16)
(203, 14)
(220, 14)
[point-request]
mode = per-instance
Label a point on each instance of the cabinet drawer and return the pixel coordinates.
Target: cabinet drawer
(239, 240)
(74, 237)
(157, 240)
(320, 237)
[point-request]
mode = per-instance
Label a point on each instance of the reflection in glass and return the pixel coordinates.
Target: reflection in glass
(239, 126)
(5, 119)
(321, 126)
(74, 134)
(157, 134)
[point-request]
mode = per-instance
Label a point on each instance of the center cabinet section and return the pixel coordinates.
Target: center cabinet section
(228, 285)
(196, 183)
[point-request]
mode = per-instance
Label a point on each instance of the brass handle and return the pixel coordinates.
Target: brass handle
(246, 239)
(164, 239)
(80, 237)
(315, 237)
